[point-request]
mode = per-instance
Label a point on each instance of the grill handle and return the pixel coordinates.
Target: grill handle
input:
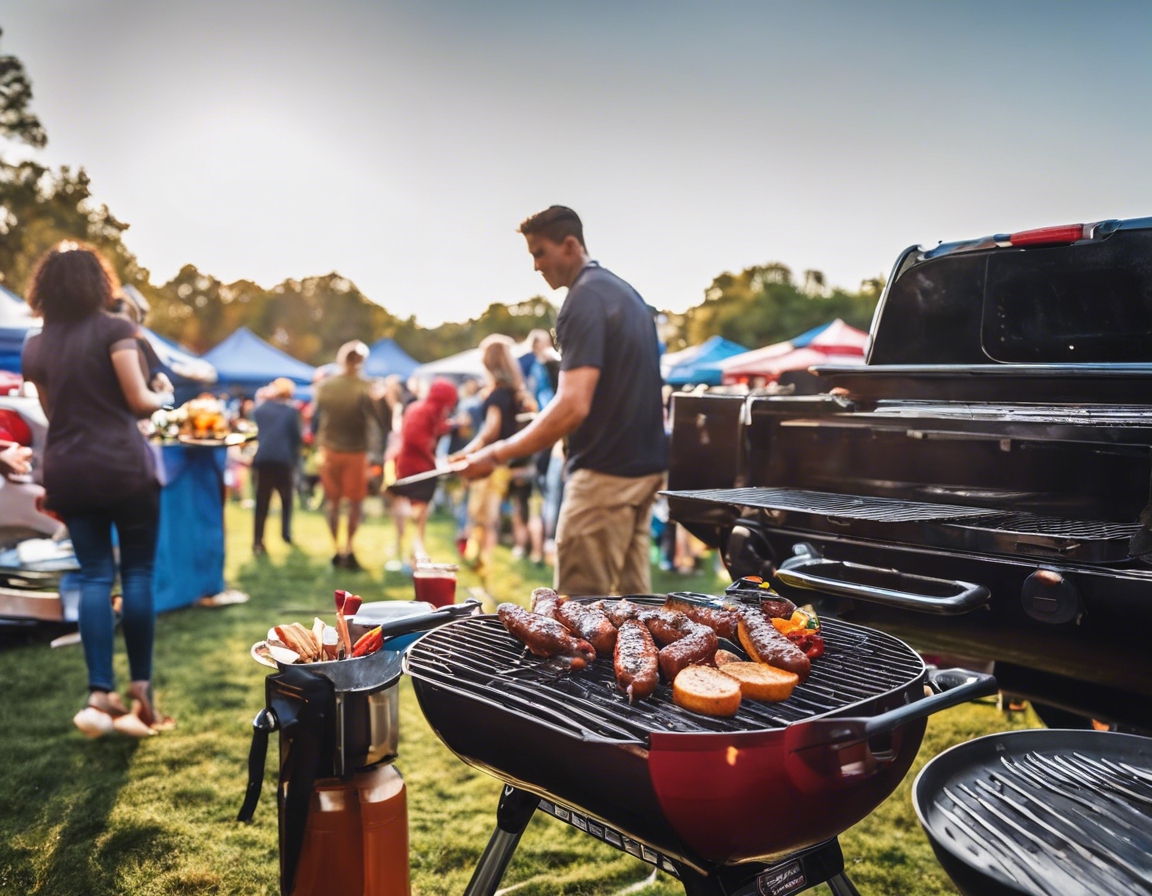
(264, 723)
(890, 587)
(825, 754)
(952, 687)
(406, 625)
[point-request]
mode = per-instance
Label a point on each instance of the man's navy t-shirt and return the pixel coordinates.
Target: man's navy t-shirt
(605, 324)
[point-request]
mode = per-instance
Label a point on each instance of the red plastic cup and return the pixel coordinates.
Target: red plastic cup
(435, 583)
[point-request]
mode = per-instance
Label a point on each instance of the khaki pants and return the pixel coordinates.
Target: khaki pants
(604, 532)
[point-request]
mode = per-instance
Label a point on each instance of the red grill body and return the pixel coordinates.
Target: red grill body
(698, 790)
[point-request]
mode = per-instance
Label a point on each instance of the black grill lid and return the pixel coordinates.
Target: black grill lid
(478, 656)
(1045, 812)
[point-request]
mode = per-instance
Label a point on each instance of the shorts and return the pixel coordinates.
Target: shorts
(344, 474)
(485, 497)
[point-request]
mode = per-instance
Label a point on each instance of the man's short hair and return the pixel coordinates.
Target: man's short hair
(555, 223)
(352, 354)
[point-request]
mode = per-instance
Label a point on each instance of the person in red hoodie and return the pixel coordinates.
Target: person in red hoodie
(422, 425)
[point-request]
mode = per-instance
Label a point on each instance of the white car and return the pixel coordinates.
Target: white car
(29, 588)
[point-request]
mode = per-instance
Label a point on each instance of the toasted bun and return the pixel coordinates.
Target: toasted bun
(706, 690)
(761, 682)
(724, 657)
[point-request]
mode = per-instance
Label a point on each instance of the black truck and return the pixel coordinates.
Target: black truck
(980, 487)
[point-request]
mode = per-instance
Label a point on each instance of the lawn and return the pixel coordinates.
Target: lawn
(114, 816)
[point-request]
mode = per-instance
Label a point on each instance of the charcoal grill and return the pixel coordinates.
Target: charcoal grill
(723, 803)
(1045, 813)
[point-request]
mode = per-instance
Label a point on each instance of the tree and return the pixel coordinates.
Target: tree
(762, 305)
(39, 206)
(17, 121)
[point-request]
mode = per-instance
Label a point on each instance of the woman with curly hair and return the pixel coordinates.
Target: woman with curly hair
(98, 471)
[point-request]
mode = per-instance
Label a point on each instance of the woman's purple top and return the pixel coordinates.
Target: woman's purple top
(96, 455)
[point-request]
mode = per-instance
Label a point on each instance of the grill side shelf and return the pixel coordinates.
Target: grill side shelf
(979, 529)
(477, 657)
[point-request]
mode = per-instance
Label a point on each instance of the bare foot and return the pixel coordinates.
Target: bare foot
(145, 709)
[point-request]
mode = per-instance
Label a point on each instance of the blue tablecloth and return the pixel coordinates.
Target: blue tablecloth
(190, 544)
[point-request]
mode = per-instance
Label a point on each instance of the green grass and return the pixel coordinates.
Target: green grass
(114, 816)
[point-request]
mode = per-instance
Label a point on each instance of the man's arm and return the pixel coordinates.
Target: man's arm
(562, 415)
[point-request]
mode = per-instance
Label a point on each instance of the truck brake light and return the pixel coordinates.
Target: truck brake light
(1048, 236)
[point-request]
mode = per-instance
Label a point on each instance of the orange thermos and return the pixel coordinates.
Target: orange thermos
(356, 837)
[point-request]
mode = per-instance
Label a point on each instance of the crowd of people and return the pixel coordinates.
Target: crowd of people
(358, 437)
(566, 443)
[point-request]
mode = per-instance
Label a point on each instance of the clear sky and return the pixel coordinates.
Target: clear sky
(401, 143)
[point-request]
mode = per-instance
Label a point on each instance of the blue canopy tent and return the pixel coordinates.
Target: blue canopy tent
(245, 362)
(15, 321)
(385, 358)
(186, 371)
(696, 365)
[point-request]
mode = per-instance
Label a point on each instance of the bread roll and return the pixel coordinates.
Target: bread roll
(706, 690)
(761, 682)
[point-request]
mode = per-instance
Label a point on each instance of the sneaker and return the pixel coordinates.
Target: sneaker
(258, 550)
(517, 552)
(337, 561)
(351, 563)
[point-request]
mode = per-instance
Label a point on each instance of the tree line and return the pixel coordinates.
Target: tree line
(311, 318)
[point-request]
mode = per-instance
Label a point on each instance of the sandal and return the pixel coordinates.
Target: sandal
(99, 715)
(145, 710)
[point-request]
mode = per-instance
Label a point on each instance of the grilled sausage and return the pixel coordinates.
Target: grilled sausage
(766, 645)
(684, 642)
(697, 647)
(635, 661)
(592, 625)
(665, 625)
(621, 610)
(777, 607)
(544, 636)
(546, 602)
(721, 621)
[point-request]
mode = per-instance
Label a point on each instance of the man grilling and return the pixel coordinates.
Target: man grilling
(608, 403)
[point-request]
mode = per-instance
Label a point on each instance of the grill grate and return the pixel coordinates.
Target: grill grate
(850, 507)
(1058, 824)
(1054, 527)
(478, 655)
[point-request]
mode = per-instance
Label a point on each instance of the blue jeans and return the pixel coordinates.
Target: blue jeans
(136, 522)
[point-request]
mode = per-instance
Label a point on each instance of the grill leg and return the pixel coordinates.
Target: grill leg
(840, 885)
(696, 884)
(512, 817)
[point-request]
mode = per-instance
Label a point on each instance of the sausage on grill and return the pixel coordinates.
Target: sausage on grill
(623, 609)
(777, 607)
(591, 624)
(665, 625)
(635, 661)
(696, 648)
(721, 621)
(544, 636)
(546, 602)
(766, 645)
